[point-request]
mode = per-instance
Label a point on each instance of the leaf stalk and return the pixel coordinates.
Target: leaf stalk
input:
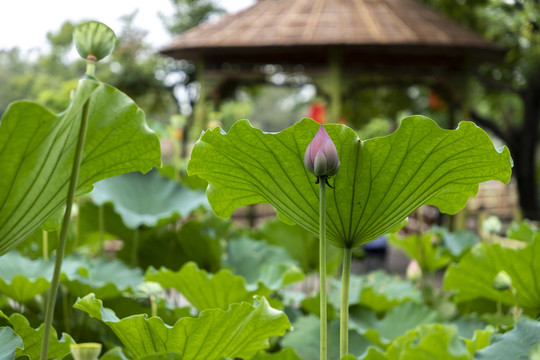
(322, 270)
(53, 290)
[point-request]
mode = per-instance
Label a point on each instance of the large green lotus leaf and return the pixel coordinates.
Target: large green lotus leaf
(428, 342)
(397, 321)
(305, 340)
(37, 150)
(485, 261)
(301, 245)
(149, 199)
(285, 354)
(22, 279)
(515, 344)
(378, 291)
(380, 182)
(32, 339)
(240, 331)
(260, 262)
(422, 248)
(108, 278)
(203, 290)
(9, 341)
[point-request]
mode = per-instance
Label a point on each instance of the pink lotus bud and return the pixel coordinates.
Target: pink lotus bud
(321, 157)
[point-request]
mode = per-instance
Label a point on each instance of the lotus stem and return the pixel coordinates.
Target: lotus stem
(344, 307)
(53, 290)
(322, 270)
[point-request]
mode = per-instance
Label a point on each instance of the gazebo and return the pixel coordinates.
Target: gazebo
(336, 42)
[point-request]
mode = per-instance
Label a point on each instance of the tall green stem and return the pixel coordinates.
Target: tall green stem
(322, 268)
(53, 290)
(344, 307)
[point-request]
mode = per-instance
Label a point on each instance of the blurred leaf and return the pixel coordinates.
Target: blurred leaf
(458, 242)
(480, 340)
(381, 180)
(114, 354)
(32, 339)
(428, 342)
(378, 291)
(240, 331)
(37, 150)
(22, 278)
(301, 245)
(147, 200)
(9, 341)
(304, 339)
(374, 354)
(422, 248)
(258, 261)
(54, 221)
(397, 321)
(473, 276)
(203, 290)
(285, 354)
(524, 231)
(467, 326)
(518, 343)
(108, 278)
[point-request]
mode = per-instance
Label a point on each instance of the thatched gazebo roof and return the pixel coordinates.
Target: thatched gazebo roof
(369, 34)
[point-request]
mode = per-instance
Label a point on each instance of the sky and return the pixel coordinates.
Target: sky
(25, 23)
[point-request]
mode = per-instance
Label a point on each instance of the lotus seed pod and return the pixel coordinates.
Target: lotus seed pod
(94, 40)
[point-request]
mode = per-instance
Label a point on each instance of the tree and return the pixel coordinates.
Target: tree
(189, 13)
(510, 91)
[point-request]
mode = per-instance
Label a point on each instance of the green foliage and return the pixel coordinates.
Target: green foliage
(423, 248)
(397, 321)
(147, 200)
(9, 341)
(259, 262)
(418, 164)
(189, 13)
(378, 291)
(203, 290)
(305, 339)
(523, 231)
(300, 244)
(518, 343)
(427, 342)
(36, 160)
(240, 331)
(106, 278)
(32, 339)
(22, 278)
(285, 354)
(485, 261)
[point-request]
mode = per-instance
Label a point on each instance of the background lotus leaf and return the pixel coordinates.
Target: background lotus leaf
(485, 261)
(9, 341)
(148, 199)
(204, 290)
(37, 150)
(380, 182)
(32, 339)
(240, 331)
(518, 343)
(22, 278)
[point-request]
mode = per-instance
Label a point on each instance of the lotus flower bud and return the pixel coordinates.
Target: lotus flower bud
(502, 281)
(321, 157)
(414, 271)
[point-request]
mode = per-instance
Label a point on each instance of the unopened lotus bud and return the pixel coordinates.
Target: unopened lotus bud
(414, 272)
(94, 40)
(321, 158)
(502, 281)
